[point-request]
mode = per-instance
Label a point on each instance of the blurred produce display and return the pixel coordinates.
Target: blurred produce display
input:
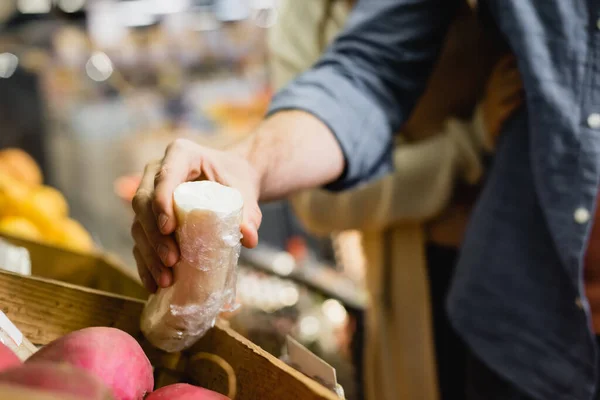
(31, 210)
(273, 307)
(240, 115)
(121, 80)
(21, 166)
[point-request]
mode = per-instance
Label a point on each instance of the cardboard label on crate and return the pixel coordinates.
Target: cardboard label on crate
(309, 364)
(11, 330)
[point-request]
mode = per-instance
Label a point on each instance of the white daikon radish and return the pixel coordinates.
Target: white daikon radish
(208, 233)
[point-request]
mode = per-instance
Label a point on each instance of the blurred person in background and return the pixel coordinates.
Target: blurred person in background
(524, 297)
(412, 220)
(22, 115)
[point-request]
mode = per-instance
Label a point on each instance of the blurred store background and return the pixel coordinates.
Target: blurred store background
(94, 89)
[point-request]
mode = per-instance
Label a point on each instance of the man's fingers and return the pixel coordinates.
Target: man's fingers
(249, 236)
(141, 201)
(166, 278)
(177, 167)
(147, 181)
(149, 241)
(164, 246)
(143, 271)
(507, 62)
(250, 224)
(146, 251)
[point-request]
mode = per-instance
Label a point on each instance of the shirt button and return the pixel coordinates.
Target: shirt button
(579, 303)
(581, 215)
(598, 23)
(593, 121)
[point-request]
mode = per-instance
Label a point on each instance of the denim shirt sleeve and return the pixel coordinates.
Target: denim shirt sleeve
(367, 82)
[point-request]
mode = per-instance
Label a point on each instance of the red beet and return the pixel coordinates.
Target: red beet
(108, 353)
(183, 391)
(8, 358)
(57, 378)
(14, 392)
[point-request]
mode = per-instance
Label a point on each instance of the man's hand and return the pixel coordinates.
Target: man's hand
(290, 151)
(503, 96)
(155, 249)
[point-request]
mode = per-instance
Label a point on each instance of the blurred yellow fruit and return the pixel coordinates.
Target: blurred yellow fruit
(20, 227)
(21, 166)
(50, 201)
(45, 207)
(36, 212)
(12, 194)
(74, 236)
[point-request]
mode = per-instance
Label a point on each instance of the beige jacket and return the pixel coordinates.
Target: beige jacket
(393, 213)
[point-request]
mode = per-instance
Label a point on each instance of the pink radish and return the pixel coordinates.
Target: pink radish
(24, 393)
(8, 358)
(108, 353)
(57, 378)
(183, 391)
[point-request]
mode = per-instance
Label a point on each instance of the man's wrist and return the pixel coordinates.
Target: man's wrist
(249, 150)
(289, 151)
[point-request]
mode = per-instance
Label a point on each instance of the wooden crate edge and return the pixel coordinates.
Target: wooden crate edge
(314, 386)
(45, 309)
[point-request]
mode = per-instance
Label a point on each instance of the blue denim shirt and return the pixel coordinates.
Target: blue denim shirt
(518, 297)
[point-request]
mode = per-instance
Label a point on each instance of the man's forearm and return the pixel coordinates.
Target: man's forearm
(291, 151)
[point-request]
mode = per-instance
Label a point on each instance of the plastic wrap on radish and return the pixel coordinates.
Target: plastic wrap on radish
(208, 233)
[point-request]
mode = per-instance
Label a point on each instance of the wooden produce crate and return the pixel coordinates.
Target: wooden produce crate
(45, 309)
(93, 270)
